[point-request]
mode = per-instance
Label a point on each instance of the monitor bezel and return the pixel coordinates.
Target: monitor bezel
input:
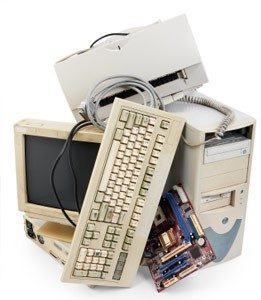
(50, 129)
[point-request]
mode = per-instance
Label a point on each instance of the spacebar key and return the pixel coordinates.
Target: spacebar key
(110, 161)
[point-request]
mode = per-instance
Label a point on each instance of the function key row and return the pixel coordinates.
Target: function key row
(132, 118)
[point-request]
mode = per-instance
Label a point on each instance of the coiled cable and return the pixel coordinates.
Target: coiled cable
(103, 88)
(198, 99)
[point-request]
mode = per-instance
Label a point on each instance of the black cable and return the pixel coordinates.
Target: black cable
(107, 35)
(70, 161)
(64, 148)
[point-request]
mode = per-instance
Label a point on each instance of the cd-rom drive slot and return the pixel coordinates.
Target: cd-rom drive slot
(227, 150)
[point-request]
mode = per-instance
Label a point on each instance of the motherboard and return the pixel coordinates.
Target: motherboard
(177, 245)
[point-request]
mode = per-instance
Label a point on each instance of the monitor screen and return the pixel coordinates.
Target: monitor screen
(40, 154)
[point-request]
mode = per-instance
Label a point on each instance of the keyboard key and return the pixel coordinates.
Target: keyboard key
(143, 192)
(160, 138)
(82, 255)
(90, 252)
(86, 242)
(142, 130)
(102, 260)
(115, 238)
(117, 209)
(137, 145)
(123, 167)
(111, 184)
(133, 223)
(124, 188)
(108, 191)
(130, 232)
(132, 186)
(150, 171)
(125, 207)
(109, 214)
(155, 153)
(126, 181)
(138, 209)
(115, 218)
(88, 259)
(145, 121)
(113, 245)
(145, 185)
(103, 211)
(117, 231)
(88, 234)
(124, 115)
(152, 121)
(147, 136)
(153, 160)
(140, 202)
(124, 140)
(147, 178)
(104, 253)
(80, 273)
(133, 138)
(135, 216)
(96, 235)
(110, 229)
(122, 147)
(94, 215)
(126, 132)
(158, 146)
(150, 128)
(128, 240)
(79, 266)
(99, 197)
(114, 195)
(119, 202)
(112, 203)
(95, 261)
(130, 120)
(125, 247)
(106, 244)
(125, 160)
(94, 274)
(118, 134)
(90, 226)
(139, 138)
(99, 267)
(138, 119)
(164, 124)
(135, 131)
(121, 217)
(117, 162)
(143, 150)
(108, 237)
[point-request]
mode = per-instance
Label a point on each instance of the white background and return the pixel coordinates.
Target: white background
(35, 34)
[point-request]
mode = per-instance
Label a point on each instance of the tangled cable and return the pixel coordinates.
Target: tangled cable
(144, 89)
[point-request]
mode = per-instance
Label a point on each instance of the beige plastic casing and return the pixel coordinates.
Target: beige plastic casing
(201, 179)
(52, 245)
(151, 203)
(58, 130)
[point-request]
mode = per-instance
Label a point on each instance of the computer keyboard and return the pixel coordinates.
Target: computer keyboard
(128, 178)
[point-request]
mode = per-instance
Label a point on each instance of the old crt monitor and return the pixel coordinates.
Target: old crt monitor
(37, 144)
